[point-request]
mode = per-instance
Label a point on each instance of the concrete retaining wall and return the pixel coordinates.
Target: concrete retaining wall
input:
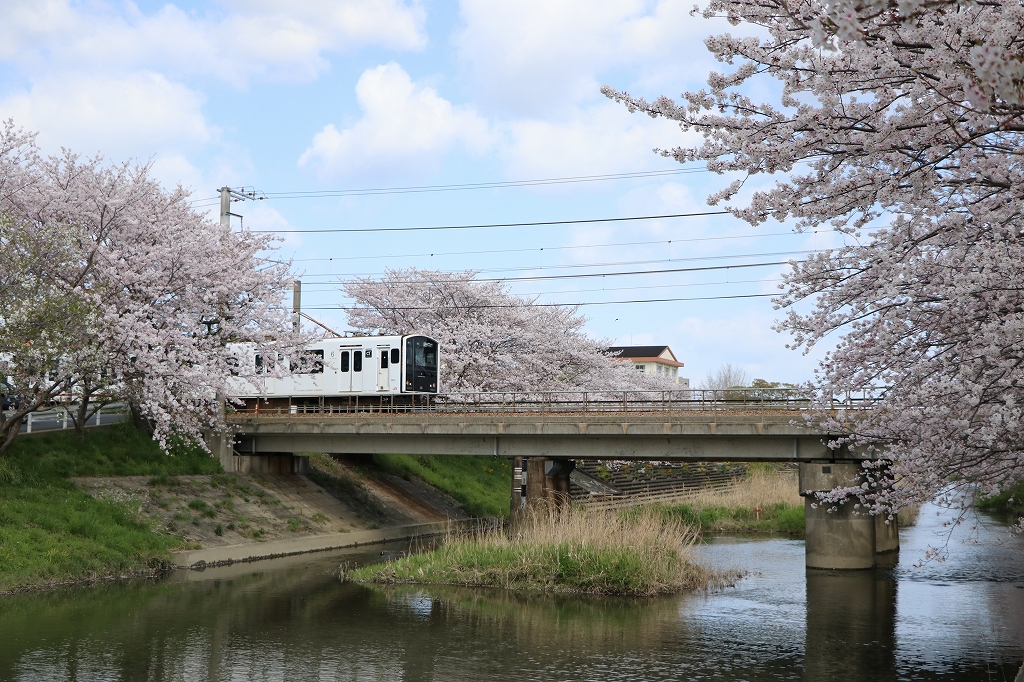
(214, 556)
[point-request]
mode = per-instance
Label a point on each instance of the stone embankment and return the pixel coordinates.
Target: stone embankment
(225, 518)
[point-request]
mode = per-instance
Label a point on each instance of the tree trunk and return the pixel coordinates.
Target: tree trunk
(83, 414)
(8, 433)
(142, 423)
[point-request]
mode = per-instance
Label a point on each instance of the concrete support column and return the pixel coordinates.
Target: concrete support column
(840, 539)
(887, 535)
(556, 478)
(540, 480)
(220, 444)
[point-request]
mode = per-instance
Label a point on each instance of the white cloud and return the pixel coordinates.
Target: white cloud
(744, 338)
(27, 23)
(134, 115)
(284, 40)
(402, 124)
(536, 56)
(174, 169)
(602, 138)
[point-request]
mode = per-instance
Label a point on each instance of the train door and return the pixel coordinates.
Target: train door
(395, 379)
(383, 368)
(357, 371)
(345, 371)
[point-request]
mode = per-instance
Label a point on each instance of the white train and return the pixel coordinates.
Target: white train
(340, 370)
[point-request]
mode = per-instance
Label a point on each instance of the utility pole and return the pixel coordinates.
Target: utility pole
(296, 305)
(227, 195)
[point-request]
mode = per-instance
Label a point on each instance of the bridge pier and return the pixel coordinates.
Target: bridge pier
(540, 480)
(844, 538)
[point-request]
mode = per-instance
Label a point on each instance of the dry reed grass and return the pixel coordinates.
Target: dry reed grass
(639, 554)
(759, 489)
(766, 500)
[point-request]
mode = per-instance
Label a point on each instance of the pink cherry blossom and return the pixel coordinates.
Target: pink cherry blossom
(900, 125)
(115, 287)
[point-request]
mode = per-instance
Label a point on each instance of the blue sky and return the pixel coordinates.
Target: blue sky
(338, 95)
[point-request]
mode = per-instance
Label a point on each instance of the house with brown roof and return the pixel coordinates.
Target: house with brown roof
(658, 360)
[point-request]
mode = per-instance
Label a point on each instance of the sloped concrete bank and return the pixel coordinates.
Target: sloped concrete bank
(217, 556)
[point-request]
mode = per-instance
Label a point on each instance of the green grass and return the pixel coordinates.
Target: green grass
(1010, 501)
(116, 451)
(480, 484)
(594, 552)
(51, 532)
(777, 518)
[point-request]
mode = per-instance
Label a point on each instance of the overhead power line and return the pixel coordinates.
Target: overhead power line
(557, 305)
(493, 225)
(457, 187)
(555, 248)
(592, 265)
(535, 278)
(322, 287)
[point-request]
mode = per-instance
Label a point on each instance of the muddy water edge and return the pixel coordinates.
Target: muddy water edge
(293, 619)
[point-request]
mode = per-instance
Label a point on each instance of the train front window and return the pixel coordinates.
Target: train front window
(421, 365)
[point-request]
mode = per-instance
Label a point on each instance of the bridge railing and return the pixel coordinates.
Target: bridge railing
(641, 401)
(738, 399)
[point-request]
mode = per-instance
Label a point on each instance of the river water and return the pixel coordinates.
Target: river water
(292, 619)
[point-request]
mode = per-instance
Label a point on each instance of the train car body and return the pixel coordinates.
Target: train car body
(342, 368)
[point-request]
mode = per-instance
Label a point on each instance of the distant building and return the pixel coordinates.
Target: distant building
(657, 360)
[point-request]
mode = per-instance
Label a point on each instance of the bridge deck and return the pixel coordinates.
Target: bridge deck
(768, 435)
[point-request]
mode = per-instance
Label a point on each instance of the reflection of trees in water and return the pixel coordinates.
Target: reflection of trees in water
(300, 623)
(529, 618)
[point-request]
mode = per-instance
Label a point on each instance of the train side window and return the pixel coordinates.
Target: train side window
(344, 361)
(384, 360)
(259, 364)
(357, 361)
(396, 356)
(314, 364)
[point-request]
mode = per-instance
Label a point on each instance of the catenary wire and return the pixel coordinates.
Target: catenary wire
(495, 225)
(323, 287)
(552, 248)
(552, 305)
(528, 268)
(417, 189)
(535, 278)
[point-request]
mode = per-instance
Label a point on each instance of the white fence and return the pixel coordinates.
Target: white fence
(59, 418)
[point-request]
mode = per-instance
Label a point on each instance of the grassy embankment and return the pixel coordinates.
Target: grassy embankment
(482, 485)
(765, 500)
(640, 554)
(51, 532)
(1010, 502)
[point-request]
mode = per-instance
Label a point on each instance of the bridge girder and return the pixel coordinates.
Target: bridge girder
(628, 436)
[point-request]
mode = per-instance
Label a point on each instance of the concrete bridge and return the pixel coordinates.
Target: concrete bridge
(545, 433)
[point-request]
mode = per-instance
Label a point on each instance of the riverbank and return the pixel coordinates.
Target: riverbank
(53, 533)
(638, 554)
(765, 500)
(114, 506)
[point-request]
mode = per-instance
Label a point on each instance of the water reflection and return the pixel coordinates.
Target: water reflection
(293, 620)
(851, 626)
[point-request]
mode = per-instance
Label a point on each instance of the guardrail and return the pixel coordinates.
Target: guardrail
(59, 418)
(562, 401)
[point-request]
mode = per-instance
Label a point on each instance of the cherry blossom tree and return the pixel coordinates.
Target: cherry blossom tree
(900, 125)
(156, 289)
(490, 340)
